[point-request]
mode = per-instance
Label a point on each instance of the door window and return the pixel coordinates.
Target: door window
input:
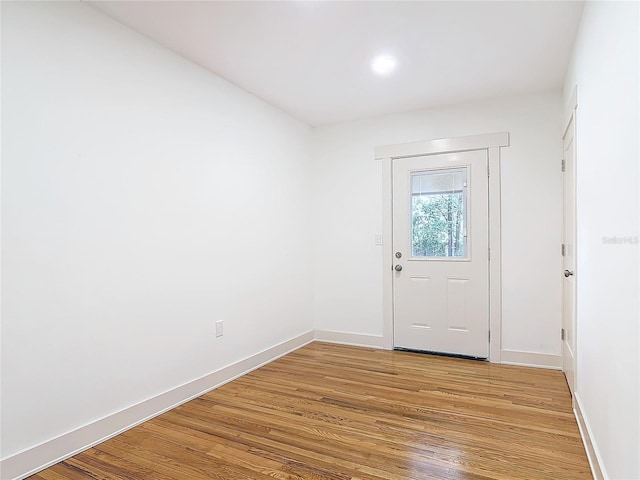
(439, 213)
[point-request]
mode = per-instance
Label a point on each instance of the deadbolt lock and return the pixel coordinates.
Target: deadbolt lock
(398, 255)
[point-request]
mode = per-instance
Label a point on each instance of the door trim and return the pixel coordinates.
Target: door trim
(492, 143)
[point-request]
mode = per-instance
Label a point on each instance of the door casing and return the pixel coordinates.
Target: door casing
(386, 154)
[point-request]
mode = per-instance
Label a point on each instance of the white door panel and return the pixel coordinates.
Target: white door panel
(569, 259)
(440, 233)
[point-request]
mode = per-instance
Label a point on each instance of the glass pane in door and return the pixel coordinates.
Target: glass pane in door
(439, 213)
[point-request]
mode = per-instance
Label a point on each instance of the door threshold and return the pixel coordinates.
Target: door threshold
(440, 354)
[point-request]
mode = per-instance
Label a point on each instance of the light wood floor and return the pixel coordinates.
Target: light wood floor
(337, 412)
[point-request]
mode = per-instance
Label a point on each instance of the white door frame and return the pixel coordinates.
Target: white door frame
(387, 154)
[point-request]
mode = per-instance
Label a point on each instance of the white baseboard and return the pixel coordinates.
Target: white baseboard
(595, 462)
(531, 359)
(345, 338)
(34, 459)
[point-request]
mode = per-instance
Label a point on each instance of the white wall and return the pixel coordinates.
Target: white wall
(605, 69)
(347, 196)
(143, 198)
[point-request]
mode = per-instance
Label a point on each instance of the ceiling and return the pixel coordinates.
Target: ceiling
(312, 58)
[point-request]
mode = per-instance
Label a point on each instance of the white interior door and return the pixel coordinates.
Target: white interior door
(441, 253)
(568, 334)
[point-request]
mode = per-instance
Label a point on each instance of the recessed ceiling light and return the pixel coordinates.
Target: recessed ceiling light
(383, 64)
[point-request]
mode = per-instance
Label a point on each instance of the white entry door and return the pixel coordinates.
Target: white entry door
(568, 334)
(440, 243)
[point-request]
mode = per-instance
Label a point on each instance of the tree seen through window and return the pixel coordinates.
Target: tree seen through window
(438, 224)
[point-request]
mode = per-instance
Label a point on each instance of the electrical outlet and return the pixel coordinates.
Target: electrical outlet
(219, 328)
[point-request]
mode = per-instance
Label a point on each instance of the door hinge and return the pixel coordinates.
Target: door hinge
(489, 336)
(563, 250)
(488, 170)
(562, 334)
(489, 253)
(563, 165)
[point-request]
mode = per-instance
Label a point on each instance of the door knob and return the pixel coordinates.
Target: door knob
(568, 273)
(398, 268)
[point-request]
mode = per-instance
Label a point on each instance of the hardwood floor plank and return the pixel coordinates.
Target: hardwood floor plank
(347, 413)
